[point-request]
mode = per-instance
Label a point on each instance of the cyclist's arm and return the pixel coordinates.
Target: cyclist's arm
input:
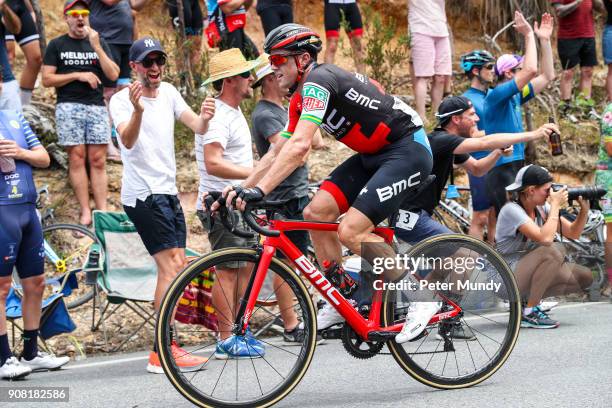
(292, 155)
(217, 166)
(317, 141)
(230, 5)
(480, 167)
(37, 156)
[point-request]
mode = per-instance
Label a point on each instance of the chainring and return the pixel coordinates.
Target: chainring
(356, 346)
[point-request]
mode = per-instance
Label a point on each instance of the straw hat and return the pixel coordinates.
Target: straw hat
(261, 70)
(226, 64)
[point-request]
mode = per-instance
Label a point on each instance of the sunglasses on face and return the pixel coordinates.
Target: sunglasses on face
(245, 75)
(76, 13)
(515, 70)
(278, 60)
(148, 62)
(488, 66)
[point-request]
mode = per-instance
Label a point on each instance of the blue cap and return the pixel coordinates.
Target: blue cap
(143, 47)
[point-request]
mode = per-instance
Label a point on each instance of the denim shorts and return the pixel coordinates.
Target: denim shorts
(607, 44)
(160, 222)
(80, 124)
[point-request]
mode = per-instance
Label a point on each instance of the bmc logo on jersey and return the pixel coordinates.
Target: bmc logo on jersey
(362, 100)
(314, 97)
(394, 189)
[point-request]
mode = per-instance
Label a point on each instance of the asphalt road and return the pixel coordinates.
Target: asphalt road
(567, 367)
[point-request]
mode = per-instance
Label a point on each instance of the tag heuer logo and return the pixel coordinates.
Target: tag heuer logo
(315, 97)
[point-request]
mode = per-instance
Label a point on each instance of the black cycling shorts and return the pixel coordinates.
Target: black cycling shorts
(377, 184)
(275, 15)
(333, 14)
(576, 51)
(497, 179)
(21, 241)
(194, 19)
(28, 31)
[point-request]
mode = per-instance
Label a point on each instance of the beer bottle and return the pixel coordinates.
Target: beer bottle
(556, 148)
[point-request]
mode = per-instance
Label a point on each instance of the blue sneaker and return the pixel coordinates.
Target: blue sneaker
(239, 347)
(538, 319)
(254, 343)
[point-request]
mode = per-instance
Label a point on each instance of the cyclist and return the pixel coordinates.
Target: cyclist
(393, 155)
(21, 242)
(479, 67)
(334, 11)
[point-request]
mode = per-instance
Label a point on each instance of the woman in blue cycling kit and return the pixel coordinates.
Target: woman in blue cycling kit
(21, 241)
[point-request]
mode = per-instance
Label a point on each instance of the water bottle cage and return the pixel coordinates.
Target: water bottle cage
(341, 281)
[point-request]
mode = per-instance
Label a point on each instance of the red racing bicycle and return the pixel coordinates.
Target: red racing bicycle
(470, 279)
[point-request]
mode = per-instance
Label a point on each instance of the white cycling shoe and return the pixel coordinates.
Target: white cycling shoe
(418, 316)
(328, 316)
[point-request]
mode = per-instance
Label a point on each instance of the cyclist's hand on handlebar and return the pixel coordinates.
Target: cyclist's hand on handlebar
(244, 195)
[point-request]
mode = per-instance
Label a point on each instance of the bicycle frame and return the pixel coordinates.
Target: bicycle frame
(366, 328)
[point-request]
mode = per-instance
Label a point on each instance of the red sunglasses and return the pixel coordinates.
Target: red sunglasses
(278, 60)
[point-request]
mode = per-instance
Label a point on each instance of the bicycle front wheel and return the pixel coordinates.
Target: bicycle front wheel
(263, 367)
(466, 349)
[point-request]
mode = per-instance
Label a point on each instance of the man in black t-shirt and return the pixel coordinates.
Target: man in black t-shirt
(450, 144)
(76, 64)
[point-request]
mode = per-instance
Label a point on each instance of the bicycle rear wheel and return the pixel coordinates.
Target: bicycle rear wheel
(254, 381)
(66, 250)
(465, 350)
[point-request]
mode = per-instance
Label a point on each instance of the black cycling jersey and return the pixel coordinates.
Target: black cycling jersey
(354, 109)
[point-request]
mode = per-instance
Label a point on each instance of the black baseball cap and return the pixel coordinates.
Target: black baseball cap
(451, 106)
(143, 47)
(531, 175)
(68, 4)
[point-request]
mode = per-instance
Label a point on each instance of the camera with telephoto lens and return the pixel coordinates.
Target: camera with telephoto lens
(591, 193)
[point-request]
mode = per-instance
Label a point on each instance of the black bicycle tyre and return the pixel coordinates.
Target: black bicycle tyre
(175, 291)
(427, 378)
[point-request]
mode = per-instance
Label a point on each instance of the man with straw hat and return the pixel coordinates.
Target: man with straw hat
(225, 157)
(144, 114)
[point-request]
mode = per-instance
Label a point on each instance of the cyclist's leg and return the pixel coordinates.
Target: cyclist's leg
(398, 171)
(332, 30)
(333, 199)
(355, 32)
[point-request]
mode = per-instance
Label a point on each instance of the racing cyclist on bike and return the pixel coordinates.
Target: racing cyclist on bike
(393, 154)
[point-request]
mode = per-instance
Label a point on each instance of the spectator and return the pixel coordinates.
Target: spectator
(113, 20)
(274, 13)
(526, 229)
(518, 83)
(268, 121)
(479, 67)
(225, 157)
(607, 48)
(335, 11)
(603, 177)
(194, 24)
(226, 22)
(431, 51)
(21, 242)
(76, 64)
(9, 98)
(28, 41)
(144, 114)
(576, 45)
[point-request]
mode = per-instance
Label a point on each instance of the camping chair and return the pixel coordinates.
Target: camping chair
(127, 274)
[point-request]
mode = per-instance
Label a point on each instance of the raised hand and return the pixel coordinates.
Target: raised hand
(207, 110)
(545, 29)
(135, 93)
(521, 25)
(93, 36)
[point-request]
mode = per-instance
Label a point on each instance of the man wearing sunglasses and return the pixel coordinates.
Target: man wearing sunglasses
(518, 83)
(144, 114)
(76, 64)
(479, 67)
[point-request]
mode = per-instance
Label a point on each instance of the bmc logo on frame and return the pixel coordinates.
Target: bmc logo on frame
(319, 280)
(387, 192)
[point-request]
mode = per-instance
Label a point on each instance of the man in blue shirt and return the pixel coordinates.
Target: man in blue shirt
(518, 82)
(479, 67)
(21, 242)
